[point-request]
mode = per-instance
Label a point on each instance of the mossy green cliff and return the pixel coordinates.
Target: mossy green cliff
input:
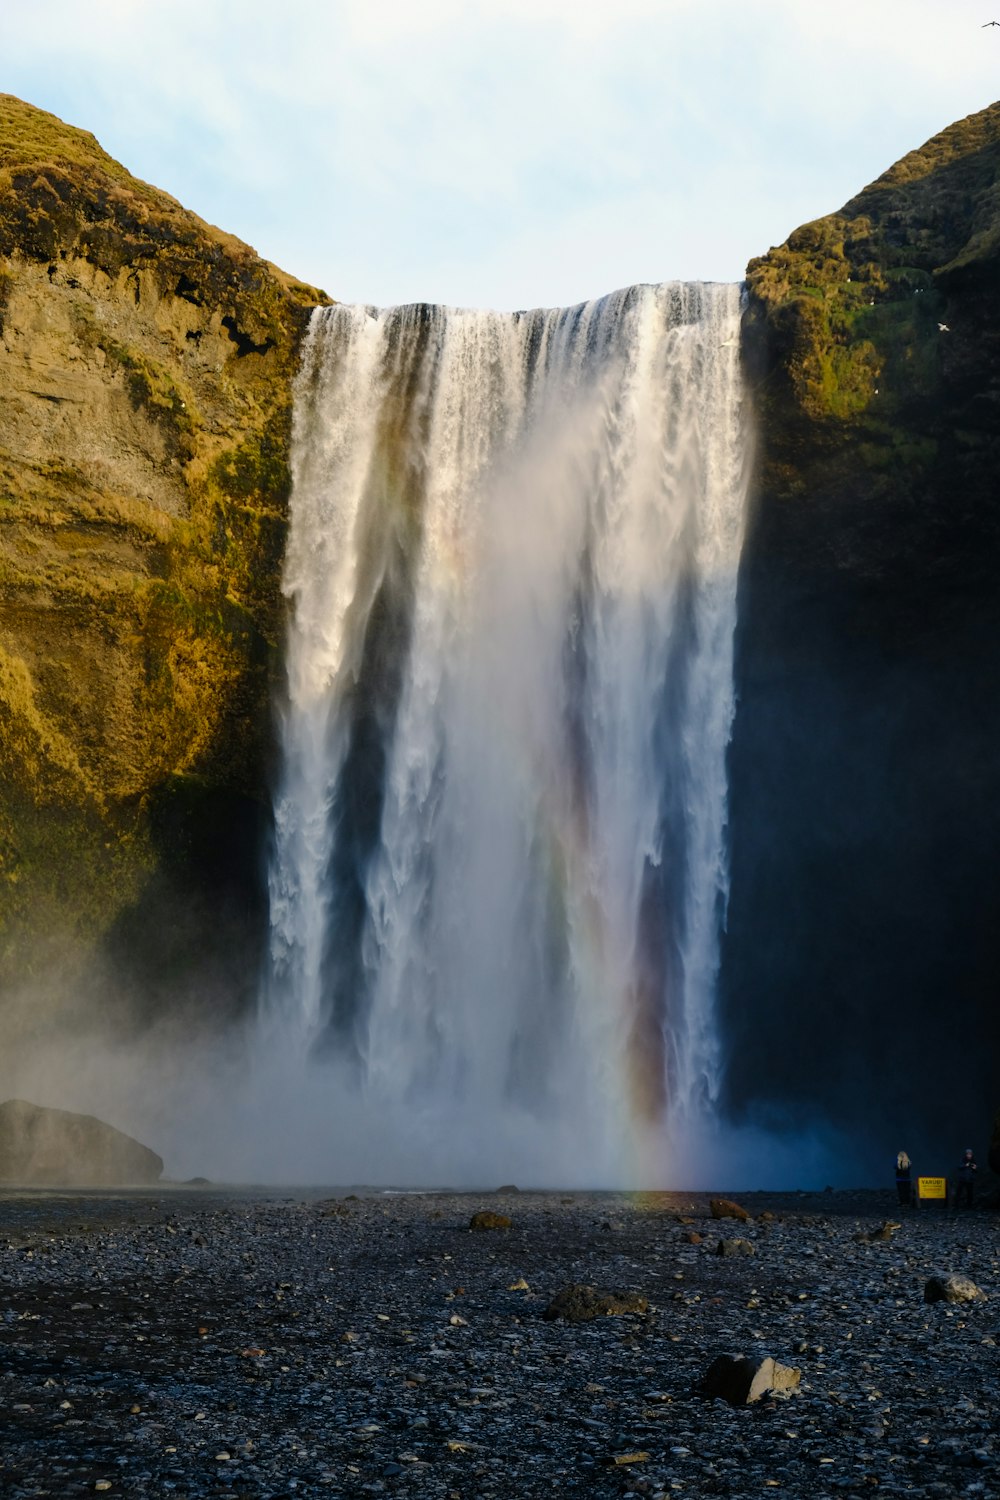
(145, 386)
(871, 339)
(861, 965)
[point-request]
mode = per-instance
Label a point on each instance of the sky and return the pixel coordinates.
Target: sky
(505, 153)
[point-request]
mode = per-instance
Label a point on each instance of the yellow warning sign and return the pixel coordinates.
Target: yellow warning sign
(932, 1187)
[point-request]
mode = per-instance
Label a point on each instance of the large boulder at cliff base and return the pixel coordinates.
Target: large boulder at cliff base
(54, 1147)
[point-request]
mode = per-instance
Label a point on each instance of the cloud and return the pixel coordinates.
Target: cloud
(374, 146)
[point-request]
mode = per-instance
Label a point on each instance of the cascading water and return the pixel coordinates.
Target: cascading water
(500, 872)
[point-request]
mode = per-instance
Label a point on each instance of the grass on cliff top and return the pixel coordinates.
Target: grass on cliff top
(936, 208)
(855, 299)
(33, 140)
(963, 139)
(31, 137)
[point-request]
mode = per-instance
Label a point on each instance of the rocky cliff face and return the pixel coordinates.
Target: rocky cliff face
(145, 366)
(861, 965)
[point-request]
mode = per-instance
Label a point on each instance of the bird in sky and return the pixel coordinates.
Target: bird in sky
(989, 23)
(943, 328)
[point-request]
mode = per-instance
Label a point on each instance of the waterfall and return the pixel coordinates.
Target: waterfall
(500, 876)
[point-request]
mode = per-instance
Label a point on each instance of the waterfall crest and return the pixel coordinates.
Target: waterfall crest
(500, 870)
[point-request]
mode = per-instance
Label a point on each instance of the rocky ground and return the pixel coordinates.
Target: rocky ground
(195, 1343)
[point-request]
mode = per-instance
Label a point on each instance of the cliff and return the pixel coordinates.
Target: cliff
(861, 968)
(145, 367)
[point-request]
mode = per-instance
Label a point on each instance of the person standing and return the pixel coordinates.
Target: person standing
(903, 1186)
(966, 1189)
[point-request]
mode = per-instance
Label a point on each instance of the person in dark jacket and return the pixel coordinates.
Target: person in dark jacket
(903, 1187)
(965, 1191)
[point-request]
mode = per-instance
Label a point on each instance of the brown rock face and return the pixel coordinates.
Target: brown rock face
(54, 1147)
(145, 369)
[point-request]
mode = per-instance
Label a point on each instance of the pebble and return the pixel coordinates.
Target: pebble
(329, 1363)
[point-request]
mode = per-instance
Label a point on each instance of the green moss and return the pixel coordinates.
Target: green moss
(257, 469)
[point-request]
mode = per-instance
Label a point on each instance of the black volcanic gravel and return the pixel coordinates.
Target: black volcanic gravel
(207, 1343)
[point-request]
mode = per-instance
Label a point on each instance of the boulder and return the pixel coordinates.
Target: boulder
(740, 1380)
(725, 1208)
(953, 1287)
(40, 1146)
(580, 1304)
(484, 1219)
(735, 1247)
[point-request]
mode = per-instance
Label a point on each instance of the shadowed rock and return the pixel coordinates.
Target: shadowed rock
(580, 1304)
(881, 1236)
(739, 1380)
(952, 1288)
(52, 1146)
(484, 1219)
(725, 1208)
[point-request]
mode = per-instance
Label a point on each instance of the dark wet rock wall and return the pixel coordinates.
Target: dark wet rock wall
(861, 966)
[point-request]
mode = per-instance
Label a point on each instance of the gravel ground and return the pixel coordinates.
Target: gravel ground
(194, 1343)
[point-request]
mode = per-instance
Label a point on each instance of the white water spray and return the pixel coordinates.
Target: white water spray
(500, 866)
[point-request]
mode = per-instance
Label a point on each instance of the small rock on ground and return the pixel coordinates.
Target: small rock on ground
(484, 1219)
(579, 1304)
(952, 1288)
(740, 1380)
(735, 1247)
(725, 1208)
